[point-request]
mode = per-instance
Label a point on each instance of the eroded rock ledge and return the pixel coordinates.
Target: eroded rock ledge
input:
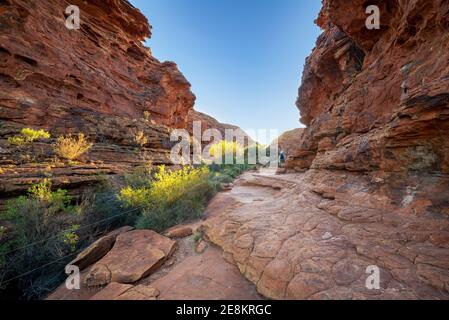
(312, 236)
(99, 80)
(377, 100)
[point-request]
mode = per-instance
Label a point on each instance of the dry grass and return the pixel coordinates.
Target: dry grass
(72, 147)
(141, 139)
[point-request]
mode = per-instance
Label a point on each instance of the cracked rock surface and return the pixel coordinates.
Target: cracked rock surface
(313, 236)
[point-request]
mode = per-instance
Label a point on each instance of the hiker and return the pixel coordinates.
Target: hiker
(282, 159)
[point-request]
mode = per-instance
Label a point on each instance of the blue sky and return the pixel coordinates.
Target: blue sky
(244, 58)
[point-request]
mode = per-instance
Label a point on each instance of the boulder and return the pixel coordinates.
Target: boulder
(135, 255)
(179, 232)
(98, 249)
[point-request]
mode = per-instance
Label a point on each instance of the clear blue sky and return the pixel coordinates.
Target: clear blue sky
(244, 58)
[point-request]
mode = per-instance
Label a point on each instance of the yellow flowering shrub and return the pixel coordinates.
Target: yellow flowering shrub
(171, 198)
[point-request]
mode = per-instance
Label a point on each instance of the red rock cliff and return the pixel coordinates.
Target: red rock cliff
(99, 80)
(378, 99)
(375, 186)
(50, 74)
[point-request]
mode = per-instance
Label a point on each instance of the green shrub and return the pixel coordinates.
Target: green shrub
(132, 197)
(17, 141)
(28, 136)
(225, 149)
(104, 207)
(139, 177)
(172, 198)
(44, 228)
(72, 147)
(33, 135)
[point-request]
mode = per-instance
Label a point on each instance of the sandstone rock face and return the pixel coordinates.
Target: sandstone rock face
(377, 100)
(298, 155)
(208, 122)
(315, 235)
(117, 291)
(289, 140)
(135, 255)
(103, 68)
(98, 249)
(99, 80)
(205, 276)
(179, 232)
(186, 275)
(375, 157)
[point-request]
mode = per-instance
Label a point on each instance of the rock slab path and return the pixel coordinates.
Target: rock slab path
(314, 235)
(317, 235)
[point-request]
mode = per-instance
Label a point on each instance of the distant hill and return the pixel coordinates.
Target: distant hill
(208, 122)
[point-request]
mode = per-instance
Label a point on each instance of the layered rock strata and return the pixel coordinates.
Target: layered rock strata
(377, 100)
(99, 80)
(374, 155)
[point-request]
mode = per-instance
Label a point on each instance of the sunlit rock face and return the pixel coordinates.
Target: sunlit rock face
(51, 74)
(372, 186)
(99, 80)
(378, 99)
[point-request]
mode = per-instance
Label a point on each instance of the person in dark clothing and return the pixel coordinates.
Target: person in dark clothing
(282, 159)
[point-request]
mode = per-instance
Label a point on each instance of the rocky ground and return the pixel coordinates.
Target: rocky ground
(309, 236)
(142, 265)
(366, 182)
(294, 236)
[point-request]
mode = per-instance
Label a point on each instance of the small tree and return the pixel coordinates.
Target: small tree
(72, 147)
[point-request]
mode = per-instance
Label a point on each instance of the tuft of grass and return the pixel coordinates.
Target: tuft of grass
(72, 147)
(197, 236)
(147, 116)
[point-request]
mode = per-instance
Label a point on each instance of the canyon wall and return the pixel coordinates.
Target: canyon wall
(376, 101)
(367, 183)
(99, 80)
